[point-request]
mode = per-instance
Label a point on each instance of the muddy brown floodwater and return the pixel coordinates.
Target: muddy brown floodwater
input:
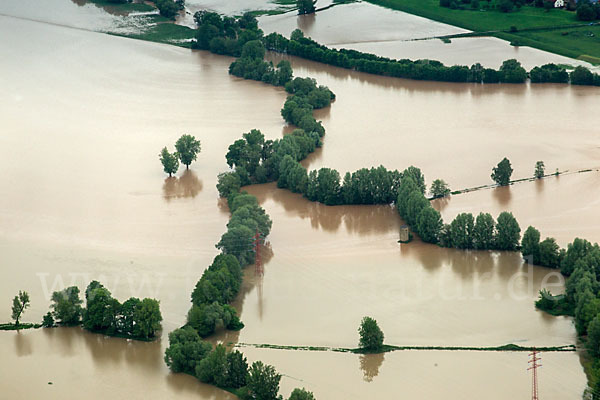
(83, 197)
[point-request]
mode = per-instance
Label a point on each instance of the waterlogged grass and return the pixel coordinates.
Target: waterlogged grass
(554, 31)
(13, 327)
(388, 348)
(166, 33)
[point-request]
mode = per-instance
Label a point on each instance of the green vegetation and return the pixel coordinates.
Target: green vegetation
(187, 149)
(501, 173)
(540, 170)
(532, 26)
(263, 382)
(48, 320)
(66, 306)
(301, 394)
(168, 8)
(439, 188)
(20, 304)
(371, 337)
(135, 318)
(15, 327)
(169, 161)
(306, 6)
(168, 33)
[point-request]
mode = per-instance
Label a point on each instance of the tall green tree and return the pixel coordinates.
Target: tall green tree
(483, 232)
(429, 225)
(439, 188)
(540, 170)
(187, 149)
(306, 6)
(66, 306)
(370, 335)
(461, 231)
(508, 232)
(530, 245)
(263, 381)
(169, 161)
(502, 172)
(417, 176)
(20, 304)
(550, 254)
(147, 318)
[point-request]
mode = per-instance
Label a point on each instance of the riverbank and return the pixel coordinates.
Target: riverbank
(556, 31)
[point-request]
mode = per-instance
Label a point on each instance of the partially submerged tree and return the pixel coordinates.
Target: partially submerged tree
(439, 188)
(20, 303)
(187, 149)
(371, 337)
(306, 6)
(501, 173)
(169, 161)
(540, 170)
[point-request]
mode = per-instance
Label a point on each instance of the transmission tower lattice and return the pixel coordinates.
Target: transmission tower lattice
(533, 367)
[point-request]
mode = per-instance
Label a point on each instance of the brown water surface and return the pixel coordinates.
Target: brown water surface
(84, 197)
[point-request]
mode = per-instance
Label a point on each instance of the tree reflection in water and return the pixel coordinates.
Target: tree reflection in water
(187, 185)
(370, 364)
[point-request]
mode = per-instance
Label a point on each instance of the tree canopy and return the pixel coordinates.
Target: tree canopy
(20, 304)
(502, 172)
(187, 147)
(371, 337)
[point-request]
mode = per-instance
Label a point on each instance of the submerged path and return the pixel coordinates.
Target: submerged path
(388, 348)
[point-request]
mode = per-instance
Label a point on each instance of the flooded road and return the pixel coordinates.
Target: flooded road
(84, 197)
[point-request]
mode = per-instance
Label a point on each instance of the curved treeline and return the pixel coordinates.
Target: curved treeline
(221, 281)
(511, 71)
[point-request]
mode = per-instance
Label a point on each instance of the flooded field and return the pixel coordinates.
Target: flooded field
(391, 33)
(84, 197)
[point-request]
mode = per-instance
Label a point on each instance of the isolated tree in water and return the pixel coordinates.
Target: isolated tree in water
(540, 170)
(439, 188)
(501, 173)
(371, 337)
(20, 303)
(169, 161)
(187, 149)
(306, 6)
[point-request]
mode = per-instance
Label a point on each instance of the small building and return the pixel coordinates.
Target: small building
(404, 234)
(559, 3)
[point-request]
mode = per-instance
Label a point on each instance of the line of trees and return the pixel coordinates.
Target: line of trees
(135, 318)
(510, 71)
(251, 65)
(580, 262)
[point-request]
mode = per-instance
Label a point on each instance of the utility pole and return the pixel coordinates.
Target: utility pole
(533, 367)
(258, 269)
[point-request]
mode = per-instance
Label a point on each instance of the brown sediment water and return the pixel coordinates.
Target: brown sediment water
(455, 132)
(84, 197)
(563, 207)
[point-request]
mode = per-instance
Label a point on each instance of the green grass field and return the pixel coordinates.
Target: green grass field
(166, 33)
(575, 43)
